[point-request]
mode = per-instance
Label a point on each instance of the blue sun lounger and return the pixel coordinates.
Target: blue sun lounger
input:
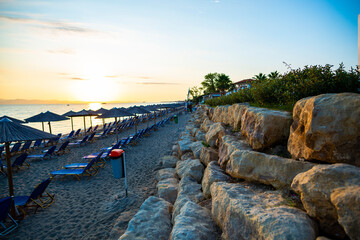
(38, 198)
(88, 171)
(6, 227)
(48, 154)
(98, 162)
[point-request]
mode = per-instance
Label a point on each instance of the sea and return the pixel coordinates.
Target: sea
(23, 111)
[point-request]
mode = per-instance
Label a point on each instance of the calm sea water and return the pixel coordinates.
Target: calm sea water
(25, 111)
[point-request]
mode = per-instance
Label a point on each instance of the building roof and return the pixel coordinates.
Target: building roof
(244, 81)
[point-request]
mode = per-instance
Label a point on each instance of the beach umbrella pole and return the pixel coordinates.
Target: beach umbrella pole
(42, 126)
(84, 125)
(116, 130)
(9, 173)
(50, 127)
(154, 118)
(135, 124)
(72, 124)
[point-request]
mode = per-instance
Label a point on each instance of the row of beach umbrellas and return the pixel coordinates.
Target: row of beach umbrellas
(12, 130)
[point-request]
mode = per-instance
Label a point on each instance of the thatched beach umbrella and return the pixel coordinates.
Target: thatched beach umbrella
(115, 113)
(46, 117)
(70, 114)
(101, 111)
(13, 119)
(152, 108)
(11, 132)
(136, 110)
(85, 113)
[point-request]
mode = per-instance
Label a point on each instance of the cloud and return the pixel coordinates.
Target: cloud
(128, 76)
(56, 26)
(78, 78)
(112, 76)
(157, 83)
(62, 51)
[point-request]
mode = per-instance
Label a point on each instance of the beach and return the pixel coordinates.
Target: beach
(95, 207)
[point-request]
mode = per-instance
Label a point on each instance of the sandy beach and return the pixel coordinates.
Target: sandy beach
(94, 208)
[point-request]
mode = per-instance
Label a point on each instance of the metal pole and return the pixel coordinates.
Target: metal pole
(9, 172)
(84, 125)
(124, 167)
(72, 124)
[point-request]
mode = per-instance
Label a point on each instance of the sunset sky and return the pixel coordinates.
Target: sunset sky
(134, 51)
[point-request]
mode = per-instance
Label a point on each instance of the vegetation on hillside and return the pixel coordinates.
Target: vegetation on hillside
(283, 91)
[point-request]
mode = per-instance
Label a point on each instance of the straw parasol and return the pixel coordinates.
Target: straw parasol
(46, 117)
(115, 113)
(101, 111)
(85, 113)
(13, 119)
(70, 114)
(11, 132)
(136, 110)
(152, 108)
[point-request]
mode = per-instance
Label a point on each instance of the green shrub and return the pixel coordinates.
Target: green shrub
(285, 90)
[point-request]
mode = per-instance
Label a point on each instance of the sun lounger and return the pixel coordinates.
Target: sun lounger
(79, 143)
(47, 154)
(6, 226)
(77, 133)
(15, 149)
(38, 198)
(26, 146)
(99, 162)
(20, 162)
(36, 144)
(89, 170)
(63, 148)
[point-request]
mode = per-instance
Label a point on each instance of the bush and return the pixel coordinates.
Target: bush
(290, 87)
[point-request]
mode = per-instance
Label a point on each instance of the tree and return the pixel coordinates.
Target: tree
(195, 92)
(274, 75)
(209, 83)
(223, 82)
(260, 77)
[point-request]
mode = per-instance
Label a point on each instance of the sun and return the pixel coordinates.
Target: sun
(95, 90)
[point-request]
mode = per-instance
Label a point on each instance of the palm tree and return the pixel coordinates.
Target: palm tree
(274, 75)
(223, 82)
(260, 77)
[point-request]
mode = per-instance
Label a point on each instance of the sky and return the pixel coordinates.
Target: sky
(152, 50)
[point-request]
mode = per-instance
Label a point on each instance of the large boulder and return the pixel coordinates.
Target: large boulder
(264, 128)
(168, 161)
(152, 221)
(206, 125)
(236, 112)
(347, 204)
(267, 169)
(184, 145)
(193, 222)
(168, 189)
(244, 213)
(188, 190)
(315, 188)
(165, 173)
(215, 131)
(326, 128)
(213, 173)
(221, 114)
(200, 136)
(208, 155)
(190, 167)
(227, 145)
(196, 148)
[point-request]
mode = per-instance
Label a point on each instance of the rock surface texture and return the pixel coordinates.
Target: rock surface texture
(245, 214)
(193, 222)
(267, 169)
(227, 145)
(213, 173)
(151, 222)
(316, 187)
(168, 189)
(326, 128)
(264, 128)
(215, 131)
(190, 167)
(208, 155)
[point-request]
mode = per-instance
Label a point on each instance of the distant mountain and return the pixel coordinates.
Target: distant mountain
(36, 101)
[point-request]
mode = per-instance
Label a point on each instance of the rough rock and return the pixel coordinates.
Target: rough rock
(221, 114)
(227, 145)
(264, 128)
(208, 155)
(200, 136)
(206, 125)
(152, 221)
(175, 150)
(246, 214)
(168, 161)
(326, 128)
(165, 173)
(187, 155)
(267, 169)
(190, 167)
(188, 190)
(196, 148)
(168, 189)
(215, 131)
(193, 222)
(184, 145)
(347, 204)
(213, 173)
(315, 187)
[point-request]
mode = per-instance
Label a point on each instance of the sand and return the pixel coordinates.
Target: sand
(94, 208)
